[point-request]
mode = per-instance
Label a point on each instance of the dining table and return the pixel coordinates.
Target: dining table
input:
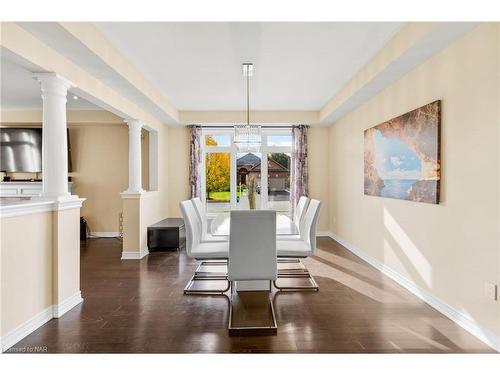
(221, 224)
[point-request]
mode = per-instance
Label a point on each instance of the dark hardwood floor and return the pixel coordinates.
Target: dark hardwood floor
(138, 306)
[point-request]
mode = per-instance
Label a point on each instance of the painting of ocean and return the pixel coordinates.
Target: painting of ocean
(402, 158)
(398, 189)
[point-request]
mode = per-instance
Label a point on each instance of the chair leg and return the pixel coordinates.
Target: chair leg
(208, 276)
(189, 290)
(208, 263)
(295, 273)
(252, 330)
(288, 260)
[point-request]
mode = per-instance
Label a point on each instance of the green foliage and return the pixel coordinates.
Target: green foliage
(281, 158)
(223, 196)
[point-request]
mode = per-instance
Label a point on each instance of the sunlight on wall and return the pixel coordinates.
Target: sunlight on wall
(407, 252)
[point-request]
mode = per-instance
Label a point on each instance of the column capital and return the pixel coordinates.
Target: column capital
(134, 124)
(53, 82)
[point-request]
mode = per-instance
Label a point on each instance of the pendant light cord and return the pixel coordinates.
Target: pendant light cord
(248, 98)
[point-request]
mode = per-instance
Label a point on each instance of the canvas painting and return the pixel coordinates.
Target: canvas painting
(402, 156)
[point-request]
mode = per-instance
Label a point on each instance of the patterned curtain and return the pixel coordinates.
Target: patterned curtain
(299, 168)
(194, 162)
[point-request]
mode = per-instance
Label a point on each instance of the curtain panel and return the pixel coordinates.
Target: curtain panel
(299, 168)
(194, 161)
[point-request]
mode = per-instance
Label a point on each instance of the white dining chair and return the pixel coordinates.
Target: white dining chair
(300, 210)
(252, 253)
(201, 214)
(252, 245)
(292, 250)
(298, 220)
(213, 253)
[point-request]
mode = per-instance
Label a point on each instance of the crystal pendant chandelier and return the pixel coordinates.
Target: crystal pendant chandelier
(247, 137)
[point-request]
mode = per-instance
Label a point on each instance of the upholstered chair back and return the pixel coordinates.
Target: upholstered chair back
(192, 225)
(252, 245)
(300, 210)
(310, 219)
(202, 215)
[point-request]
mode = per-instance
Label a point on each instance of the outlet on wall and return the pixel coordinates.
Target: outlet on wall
(120, 223)
(491, 291)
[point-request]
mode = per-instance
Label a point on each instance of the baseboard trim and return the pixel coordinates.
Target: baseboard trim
(32, 324)
(134, 255)
(66, 305)
(23, 330)
(484, 334)
(104, 234)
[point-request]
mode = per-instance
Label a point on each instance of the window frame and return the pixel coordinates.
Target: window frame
(233, 151)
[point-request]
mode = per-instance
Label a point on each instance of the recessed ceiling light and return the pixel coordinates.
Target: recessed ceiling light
(75, 97)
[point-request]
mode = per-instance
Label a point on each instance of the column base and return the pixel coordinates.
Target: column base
(134, 255)
(132, 193)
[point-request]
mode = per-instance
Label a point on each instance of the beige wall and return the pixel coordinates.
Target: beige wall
(66, 254)
(131, 224)
(39, 271)
(139, 212)
(178, 166)
(450, 249)
(318, 146)
(144, 158)
(26, 261)
(260, 117)
(100, 172)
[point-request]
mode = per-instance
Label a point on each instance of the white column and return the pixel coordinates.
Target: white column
(134, 156)
(54, 138)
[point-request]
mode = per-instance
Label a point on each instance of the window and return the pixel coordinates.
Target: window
(248, 180)
(278, 180)
(284, 140)
(233, 179)
(218, 181)
(223, 140)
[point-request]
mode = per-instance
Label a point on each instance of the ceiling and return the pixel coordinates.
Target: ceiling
(19, 90)
(298, 66)
(197, 66)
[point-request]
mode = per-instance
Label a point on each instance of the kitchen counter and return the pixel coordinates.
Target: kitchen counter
(25, 188)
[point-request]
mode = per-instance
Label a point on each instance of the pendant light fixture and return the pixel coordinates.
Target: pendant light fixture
(247, 137)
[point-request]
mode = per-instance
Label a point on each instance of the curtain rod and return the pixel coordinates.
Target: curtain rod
(262, 126)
